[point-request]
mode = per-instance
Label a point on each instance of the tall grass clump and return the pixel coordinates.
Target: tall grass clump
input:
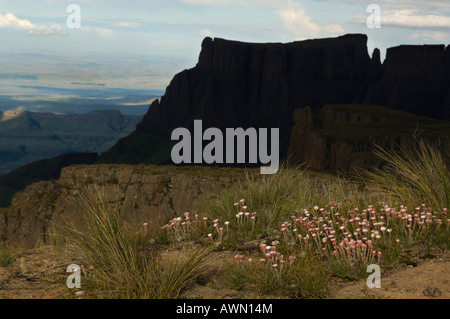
(122, 270)
(8, 255)
(273, 274)
(273, 198)
(414, 175)
(417, 176)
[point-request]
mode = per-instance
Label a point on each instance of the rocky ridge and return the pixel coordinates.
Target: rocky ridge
(149, 194)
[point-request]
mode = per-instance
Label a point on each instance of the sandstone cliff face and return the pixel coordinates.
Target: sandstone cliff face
(150, 194)
(343, 137)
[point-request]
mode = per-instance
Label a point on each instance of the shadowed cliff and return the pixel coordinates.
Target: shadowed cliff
(259, 85)
(238, 84)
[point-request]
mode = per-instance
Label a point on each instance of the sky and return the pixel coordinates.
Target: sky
(143, 43)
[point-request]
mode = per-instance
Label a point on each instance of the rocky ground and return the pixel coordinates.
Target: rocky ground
(41, 274)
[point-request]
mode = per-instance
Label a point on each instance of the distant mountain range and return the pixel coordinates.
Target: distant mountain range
(26, 137)
(35, 98)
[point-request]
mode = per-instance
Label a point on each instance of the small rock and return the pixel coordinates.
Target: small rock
(432, 292)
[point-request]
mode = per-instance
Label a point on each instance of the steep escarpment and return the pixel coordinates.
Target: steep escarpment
(237, 84)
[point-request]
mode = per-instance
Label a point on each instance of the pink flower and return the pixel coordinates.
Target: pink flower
(79, 294)
(145, 225)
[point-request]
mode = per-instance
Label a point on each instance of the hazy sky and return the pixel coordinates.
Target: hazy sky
(173, 30)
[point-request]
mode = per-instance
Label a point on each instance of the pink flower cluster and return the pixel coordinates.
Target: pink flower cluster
(353, 236)
(272, 258)
(180, 228)
(243, 214)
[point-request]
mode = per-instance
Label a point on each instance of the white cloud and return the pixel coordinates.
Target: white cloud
(436, 35)
(205, 33)
(294, 18)
(413, 18)
(334, 28)
(412, 13)
(9, 20)
(296, 21)
(127, 24)
(104, 33)
(300, 24)
(100, 32)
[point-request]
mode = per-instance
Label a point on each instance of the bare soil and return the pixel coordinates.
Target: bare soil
(41, 274)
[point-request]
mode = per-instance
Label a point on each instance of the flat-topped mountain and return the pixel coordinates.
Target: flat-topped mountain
(237, 84)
